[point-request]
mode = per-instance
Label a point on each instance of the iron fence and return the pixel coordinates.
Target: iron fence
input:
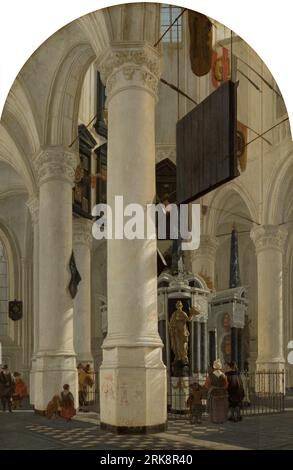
(264, 393)
(90, 397)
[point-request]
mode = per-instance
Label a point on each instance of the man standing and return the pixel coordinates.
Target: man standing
(7, 387)
(235, 392)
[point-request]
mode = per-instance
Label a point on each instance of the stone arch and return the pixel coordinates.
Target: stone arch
(14, 156)
(220, 199)
(61, 120)
(281, 182)
(19, 114)
(13, 255)
(64, 97)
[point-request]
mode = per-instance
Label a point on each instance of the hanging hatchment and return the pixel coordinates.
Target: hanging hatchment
(200, 29)
(15, 310)
(75, 277)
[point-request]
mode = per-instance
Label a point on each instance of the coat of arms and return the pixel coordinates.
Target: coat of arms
(15, 310)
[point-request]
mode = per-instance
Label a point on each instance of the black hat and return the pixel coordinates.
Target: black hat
(5, 367)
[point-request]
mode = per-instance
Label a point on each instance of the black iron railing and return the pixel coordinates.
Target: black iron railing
(264, 393)
(90, 396)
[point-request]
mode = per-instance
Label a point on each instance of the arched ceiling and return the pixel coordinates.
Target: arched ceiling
(42, 106)
(11, 182)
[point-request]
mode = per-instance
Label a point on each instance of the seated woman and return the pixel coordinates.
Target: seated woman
(67, 404)
(217, 384)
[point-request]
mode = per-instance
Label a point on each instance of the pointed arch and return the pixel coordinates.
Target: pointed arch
(219, 200)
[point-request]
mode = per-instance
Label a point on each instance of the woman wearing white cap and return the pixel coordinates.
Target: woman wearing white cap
(217, 384)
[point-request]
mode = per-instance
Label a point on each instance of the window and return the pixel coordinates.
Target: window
(168, 15)
(3, 291)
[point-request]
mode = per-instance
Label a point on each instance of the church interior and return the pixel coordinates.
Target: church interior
(93, 114)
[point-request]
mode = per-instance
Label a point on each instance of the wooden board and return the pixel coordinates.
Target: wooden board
(206, 145)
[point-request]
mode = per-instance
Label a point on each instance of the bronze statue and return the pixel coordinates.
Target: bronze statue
(179, 333)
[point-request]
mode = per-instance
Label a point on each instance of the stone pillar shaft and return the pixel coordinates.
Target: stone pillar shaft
(55, 360)
(82, 241)
(269, 242)
(203, 347)
(212, 347)
(33, 205)
(196, 346)
(132, 376)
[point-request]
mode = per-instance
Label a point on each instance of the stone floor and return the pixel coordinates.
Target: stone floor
(25, 430)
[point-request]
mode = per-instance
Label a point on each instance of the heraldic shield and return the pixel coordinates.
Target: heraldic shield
(15, 310)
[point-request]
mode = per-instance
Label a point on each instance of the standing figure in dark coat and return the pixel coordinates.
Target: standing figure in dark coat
(216, 384)
(235, 392)
(7, 388)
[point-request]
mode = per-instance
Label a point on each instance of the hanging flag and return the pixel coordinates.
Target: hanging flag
(220, 69)
(200, 29)
(75, 277)
(241, 148)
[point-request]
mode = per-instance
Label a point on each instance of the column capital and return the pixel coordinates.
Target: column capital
(126, 65)
(82, 232)
(33, 205)
(269, 237)
(56, 162)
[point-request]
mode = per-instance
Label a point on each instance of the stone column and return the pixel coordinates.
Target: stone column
(55, 359)
(212, 347)
(234, 345)
(82, 241)
(269, 241)
(196, 346)
(132, 376)
(33, 205)
(203, 347)
(203, 260)
(240, 349)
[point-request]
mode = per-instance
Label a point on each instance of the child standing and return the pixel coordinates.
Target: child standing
(194, 403)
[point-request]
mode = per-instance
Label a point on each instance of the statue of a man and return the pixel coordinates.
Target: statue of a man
(179, 333)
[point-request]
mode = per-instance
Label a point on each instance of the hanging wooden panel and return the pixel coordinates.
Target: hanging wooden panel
(206, 145)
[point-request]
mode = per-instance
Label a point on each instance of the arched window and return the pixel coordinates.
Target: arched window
(3, 290)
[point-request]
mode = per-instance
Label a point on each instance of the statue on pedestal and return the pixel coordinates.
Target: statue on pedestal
(179, 335)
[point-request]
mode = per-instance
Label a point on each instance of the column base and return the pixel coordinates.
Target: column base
(133, 390)
(52, 371)
(135, 429)
(274, 365)
(32, 382)
(40, 412)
